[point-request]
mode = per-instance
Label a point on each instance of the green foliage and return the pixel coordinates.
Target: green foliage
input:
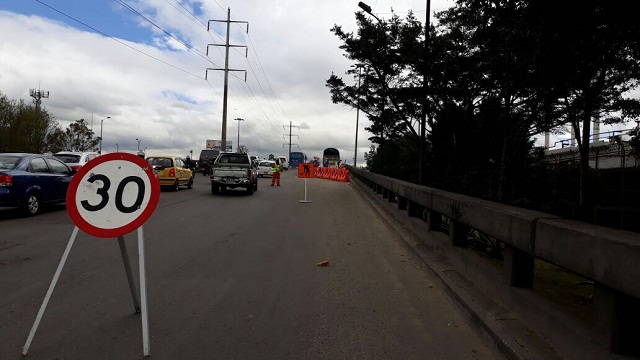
(23, 127)
(27, 128)
(497, 73)
(78, 137)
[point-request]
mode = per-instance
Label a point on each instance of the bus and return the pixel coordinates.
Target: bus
(331, 157)
(297, 157)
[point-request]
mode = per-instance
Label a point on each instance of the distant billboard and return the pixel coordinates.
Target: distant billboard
(216, 144)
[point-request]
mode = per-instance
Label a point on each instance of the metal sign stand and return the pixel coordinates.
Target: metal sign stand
(143, 293)
(305, 193)
(132, 287)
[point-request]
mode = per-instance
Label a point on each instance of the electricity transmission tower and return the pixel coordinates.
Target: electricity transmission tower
(289, 143)
(223, 140)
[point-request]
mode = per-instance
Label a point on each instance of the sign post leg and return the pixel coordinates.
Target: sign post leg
(54, 281)
(143, 293)
(127, 268)
(305, 193)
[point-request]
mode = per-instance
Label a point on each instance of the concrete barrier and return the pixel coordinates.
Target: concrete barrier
(608, 257)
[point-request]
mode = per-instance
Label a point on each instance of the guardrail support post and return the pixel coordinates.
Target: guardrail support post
(402, 203)
(518, 266)
(458, 233)
(379, 189)
(412, 208)
(392, 196)
(615, 320)
(434, 221)
(385, 193)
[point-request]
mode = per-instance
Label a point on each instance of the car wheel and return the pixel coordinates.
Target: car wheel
(190, 184)
(176, 185)
(255, 186)
(250, 189)
(32, 206)
(215, 189)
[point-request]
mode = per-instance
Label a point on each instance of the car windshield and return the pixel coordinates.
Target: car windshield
(234, 159)
(68, 158)
(9, 162)
(210, 154)
(266, 163)
(164, 162)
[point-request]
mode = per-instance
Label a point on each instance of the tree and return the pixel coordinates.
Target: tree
(592, 55)
(499, 73)
(388, 56)
(78, 137)
(24, 127)
(242, 149)
(55, 140)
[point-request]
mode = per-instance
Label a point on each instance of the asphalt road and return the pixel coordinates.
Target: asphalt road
(232, 276)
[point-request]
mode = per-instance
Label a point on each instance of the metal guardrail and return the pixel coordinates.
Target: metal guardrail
(609, 257)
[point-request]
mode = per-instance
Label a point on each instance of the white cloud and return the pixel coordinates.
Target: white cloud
(155, 90)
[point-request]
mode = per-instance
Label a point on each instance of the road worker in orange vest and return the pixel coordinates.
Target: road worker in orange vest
(276, 170)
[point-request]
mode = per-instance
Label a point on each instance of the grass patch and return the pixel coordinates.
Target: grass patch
(571, 292)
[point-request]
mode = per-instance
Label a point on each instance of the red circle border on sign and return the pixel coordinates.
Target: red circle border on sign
(90, 229)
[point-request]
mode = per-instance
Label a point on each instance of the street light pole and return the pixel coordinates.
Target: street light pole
(367, 9)
(423, 120)
(139, 141)
(238, 144)
(355, 150)
(117, 148)
(108, 117)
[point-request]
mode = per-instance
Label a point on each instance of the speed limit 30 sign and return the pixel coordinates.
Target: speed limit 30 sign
(113, 195)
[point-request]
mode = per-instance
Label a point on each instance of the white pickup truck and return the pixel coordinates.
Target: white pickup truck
(233, 170)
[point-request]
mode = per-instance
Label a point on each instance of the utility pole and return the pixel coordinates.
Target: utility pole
(238, 143)
(290, 126)
(37, 96)
(223, 140)
(425, 100)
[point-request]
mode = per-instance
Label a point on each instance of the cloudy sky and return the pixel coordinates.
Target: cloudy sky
(116, 58)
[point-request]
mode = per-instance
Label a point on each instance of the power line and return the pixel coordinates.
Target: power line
(189, 47)
(114, 39)
(194, 18)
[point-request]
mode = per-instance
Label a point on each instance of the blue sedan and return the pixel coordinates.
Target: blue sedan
(31, 181)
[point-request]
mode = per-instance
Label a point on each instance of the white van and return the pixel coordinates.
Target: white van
(283, 162)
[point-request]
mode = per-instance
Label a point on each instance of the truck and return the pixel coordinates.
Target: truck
(233, 170)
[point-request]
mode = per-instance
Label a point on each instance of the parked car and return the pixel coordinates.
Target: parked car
(31, 181)
(265, 168)
(172, 171)
(75, 159)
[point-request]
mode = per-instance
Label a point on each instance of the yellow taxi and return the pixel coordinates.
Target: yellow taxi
(172, 171)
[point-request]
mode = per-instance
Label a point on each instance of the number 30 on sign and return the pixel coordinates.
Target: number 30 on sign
(113, 195)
